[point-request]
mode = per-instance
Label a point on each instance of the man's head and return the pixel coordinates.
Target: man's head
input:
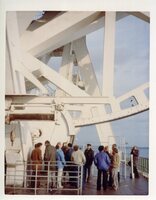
(106, 148)
(47, 142)
(101, 148)
(59, 145)
(114, 146)
(70, 145)
(89, 146)
(115, 150)
(76, 147)
(38, 145)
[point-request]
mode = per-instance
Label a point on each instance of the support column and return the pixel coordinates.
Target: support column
(109, 52)
(14, 51)
(108, 64)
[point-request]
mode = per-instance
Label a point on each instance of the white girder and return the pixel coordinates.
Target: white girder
(24, 19)
(14, 52)
(19, 70)
(141, 15)
(66, 67)
(67, 36)
(91, 84)
(28, 104)
(109, 52)
(53, 76)
(73, 35)
(66, 28)
(60, 26)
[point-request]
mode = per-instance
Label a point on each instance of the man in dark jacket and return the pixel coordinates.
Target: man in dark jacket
(50, 161)
(89, 154)
(102, 162)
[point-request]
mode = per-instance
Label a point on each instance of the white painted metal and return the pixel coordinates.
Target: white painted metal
(74, 105)
(61, 25)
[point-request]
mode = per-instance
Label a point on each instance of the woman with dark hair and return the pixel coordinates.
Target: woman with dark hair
(135, 153)
(102, 162)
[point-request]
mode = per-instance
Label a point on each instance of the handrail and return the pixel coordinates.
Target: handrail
(25, 178)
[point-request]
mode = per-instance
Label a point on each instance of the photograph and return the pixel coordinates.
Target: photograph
(76, 102)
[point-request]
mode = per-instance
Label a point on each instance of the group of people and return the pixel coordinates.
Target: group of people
(65, 159)
(60, 159)
(108, 164)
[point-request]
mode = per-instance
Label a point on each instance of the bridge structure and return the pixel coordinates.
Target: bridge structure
(45, 104)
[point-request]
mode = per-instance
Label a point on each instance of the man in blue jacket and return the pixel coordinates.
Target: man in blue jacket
(102, 162)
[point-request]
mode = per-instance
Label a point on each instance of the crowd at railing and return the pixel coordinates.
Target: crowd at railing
(67, 168)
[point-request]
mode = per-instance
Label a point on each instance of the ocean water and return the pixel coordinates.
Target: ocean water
(143, 151)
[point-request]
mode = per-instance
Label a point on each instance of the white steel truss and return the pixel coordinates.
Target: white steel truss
(30, 45)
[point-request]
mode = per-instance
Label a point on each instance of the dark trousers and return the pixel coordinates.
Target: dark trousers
(104, 182)
(87, 170)
(135, 170)
(34, 179)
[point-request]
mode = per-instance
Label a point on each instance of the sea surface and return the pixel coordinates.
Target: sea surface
(143, 151)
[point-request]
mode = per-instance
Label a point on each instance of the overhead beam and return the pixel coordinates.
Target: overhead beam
(141, 15)
(68, 36)
(52, 76)
(43, 38)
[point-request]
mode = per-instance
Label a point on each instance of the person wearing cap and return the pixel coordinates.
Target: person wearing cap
(36, 157)
(89, 154)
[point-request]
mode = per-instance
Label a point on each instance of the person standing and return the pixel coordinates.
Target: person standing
(110, 182)
(89, 154)
(36, 157)
(135, 153)
(102, 162)
(60, 164)
(114, 168)
(68, 167)
(50, 161)
(78, 159)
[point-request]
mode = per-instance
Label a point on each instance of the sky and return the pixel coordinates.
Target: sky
(131, 70)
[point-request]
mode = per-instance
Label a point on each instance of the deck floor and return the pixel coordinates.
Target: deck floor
(127, 187)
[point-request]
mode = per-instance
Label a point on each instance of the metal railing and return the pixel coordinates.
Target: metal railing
(28, 178)
(143, 166)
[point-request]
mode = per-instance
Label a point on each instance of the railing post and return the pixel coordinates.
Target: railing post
(78, 181)
(132, 166)
(49, 176)
(36, 178)
(81, 180)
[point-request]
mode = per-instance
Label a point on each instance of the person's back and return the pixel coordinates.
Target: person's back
(50, 155)
(102, 161)
(78, 156)
(68, 152)
(36, 157)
